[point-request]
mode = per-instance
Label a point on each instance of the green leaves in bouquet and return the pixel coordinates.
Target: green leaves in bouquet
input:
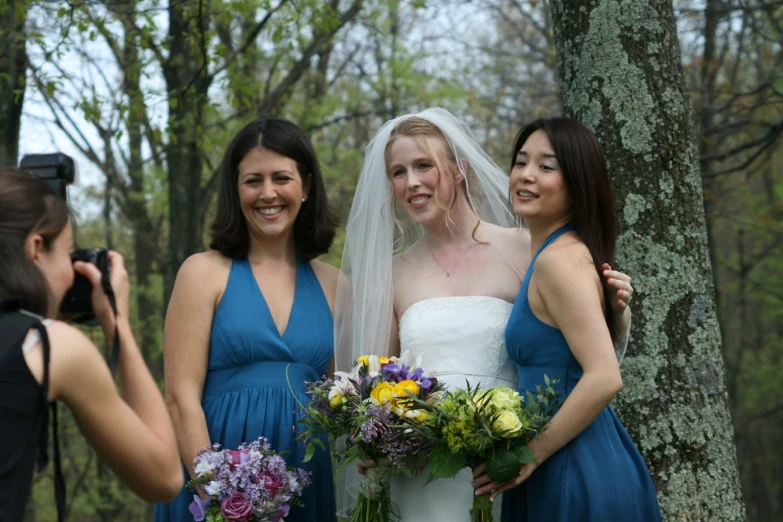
(213, 513)
(310, 448)
(545, 402)
(444, 463)
(503, 465)
(524, 454)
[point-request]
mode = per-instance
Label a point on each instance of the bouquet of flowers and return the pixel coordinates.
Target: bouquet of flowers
(249, 484)
(372, 406)
(470, 426)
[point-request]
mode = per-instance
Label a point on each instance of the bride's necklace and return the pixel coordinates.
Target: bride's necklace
(448, 271)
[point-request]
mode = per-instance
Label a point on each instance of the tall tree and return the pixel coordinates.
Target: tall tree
(620, 73)
(13, 68)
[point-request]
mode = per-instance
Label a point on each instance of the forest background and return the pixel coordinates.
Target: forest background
(146, 94)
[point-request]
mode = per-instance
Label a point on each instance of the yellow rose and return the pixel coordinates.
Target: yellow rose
(405, 388)
(383, 393)
(336, 401)
(401, 390)
(507, 425)
(384, 360)
(364, 360)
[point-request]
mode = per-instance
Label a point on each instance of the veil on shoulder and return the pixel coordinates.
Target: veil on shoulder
(364, 302)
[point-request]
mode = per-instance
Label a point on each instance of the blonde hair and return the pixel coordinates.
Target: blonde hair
(420, 130)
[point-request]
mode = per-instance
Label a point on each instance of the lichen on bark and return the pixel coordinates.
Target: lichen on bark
(620, 74)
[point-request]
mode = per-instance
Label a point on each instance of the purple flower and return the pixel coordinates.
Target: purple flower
(198, 508)
(236, 508)
(280, 514)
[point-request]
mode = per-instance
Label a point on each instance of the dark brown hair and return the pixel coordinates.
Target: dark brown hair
(27, 206)
(583, 165)
(316, 223)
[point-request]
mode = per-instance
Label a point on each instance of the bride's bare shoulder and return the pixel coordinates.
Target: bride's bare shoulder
(408, 258)
(516, 238)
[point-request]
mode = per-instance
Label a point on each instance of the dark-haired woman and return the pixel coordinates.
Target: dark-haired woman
(255, 312)
(43, 360)
(586, 466)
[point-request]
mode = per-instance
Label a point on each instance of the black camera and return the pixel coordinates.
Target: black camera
(58, 171)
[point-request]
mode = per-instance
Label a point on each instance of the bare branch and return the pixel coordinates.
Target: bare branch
(761, 143)
(249, 40)
(303, 64)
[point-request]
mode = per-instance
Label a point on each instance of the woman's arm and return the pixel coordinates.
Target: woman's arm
(133, 436)
(200, 282)
(571, 294)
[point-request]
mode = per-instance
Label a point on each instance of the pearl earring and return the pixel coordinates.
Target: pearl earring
(304, 199)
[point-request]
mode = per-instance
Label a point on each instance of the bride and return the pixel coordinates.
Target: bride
(448, 295)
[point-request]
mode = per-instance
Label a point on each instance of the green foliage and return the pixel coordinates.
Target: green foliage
(445, 463)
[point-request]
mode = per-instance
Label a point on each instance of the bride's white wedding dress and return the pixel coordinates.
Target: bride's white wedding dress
(461, 339)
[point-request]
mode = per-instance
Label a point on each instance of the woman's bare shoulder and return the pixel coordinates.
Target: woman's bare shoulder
(328, 276)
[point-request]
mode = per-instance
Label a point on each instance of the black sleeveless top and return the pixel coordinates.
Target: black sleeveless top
(24, 418)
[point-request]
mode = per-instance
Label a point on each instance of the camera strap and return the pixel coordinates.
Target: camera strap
(115, 345)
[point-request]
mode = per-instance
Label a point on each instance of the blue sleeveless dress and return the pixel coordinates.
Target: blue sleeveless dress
(246, 394)
(597, 477)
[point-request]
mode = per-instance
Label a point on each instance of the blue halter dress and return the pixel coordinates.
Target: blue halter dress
(246, 394)
(599, 476)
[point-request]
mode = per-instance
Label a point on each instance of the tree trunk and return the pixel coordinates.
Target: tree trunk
(13, 68)
(187, 82)
(145, 232)
(620, 73)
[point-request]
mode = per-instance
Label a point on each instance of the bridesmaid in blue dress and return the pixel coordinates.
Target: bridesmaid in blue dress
(587, 467)
(254, 313)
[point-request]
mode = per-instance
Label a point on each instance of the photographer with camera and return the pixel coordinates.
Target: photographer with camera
(43, 360)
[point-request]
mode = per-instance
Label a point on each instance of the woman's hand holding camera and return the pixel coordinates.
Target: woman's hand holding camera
(100, 301)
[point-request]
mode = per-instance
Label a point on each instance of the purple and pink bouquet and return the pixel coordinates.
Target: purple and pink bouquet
(372, 407)
(249, 484)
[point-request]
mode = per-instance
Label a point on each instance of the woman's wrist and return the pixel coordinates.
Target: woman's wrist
(118, 324)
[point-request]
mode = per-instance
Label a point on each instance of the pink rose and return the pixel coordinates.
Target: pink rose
(236, 508)
(235, 457)
(272, 483)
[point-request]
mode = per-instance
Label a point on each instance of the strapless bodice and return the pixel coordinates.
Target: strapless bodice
(460, 338)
